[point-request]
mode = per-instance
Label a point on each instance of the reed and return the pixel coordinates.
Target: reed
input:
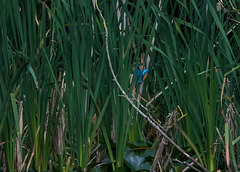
(61, 108)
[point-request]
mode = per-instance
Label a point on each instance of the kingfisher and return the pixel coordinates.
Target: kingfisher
(141, 75)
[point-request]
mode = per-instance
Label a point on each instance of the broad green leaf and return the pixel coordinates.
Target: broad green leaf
(136, 162)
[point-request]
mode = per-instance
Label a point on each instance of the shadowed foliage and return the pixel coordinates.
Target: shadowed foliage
(60, 108)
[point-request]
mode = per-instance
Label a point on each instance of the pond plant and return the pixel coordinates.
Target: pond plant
(119, 85)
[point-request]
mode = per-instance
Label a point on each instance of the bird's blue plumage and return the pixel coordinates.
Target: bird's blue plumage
(144, 72)
(140, 75)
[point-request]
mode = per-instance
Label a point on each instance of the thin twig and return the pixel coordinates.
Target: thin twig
(157, 95)
(189, 165)
(153, 123)
(160, 93)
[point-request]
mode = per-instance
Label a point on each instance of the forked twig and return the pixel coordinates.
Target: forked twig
(189, 165)
(151, 121)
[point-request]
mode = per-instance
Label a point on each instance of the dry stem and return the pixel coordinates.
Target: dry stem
(151, 121)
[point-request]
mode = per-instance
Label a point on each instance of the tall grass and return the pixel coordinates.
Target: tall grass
(53, 61)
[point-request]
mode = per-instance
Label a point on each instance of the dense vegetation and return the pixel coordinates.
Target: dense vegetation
(61, 109)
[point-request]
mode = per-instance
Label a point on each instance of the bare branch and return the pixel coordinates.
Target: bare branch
(151, 121)
(189, 165)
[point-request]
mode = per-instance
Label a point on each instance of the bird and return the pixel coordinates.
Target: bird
(141, 75)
